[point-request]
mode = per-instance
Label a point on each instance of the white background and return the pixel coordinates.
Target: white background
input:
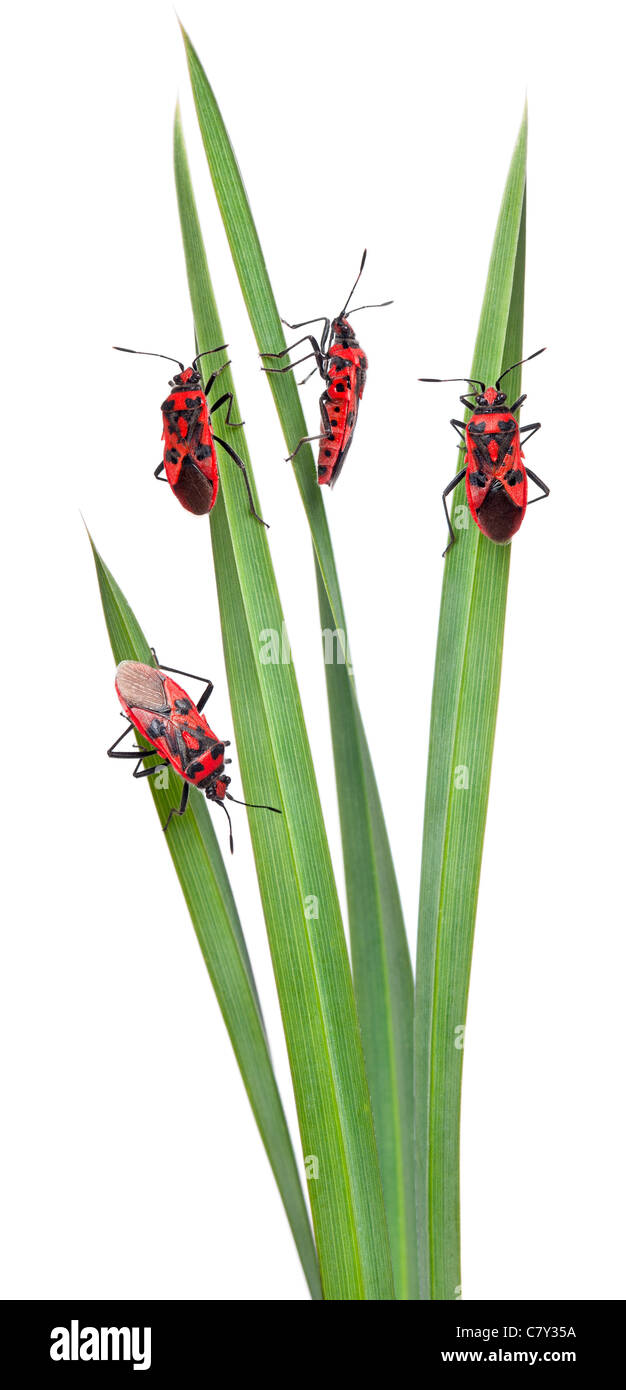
(131, 1165)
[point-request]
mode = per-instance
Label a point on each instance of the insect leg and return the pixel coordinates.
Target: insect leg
(305, 323)
(450, 488)
(327, 432)
(516, 404)
(317, 354)
(306, 439)
(283, 352)
(545, 491)
(209, 353)
(214, 375)
(459, 426)
(158, 473)
(127, 753)
(289, 368)
(149, 771)
(308, 377)
(206, 695)
(180, 810)
(228, 396)
(533, 430)
(240, 464)
(190, 676)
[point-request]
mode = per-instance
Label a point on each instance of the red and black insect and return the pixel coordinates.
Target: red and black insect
(190, 456)
(496, 477)
(162, 712)
(342, 364)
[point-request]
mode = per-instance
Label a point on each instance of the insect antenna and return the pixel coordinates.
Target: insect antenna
(208, 352)
(138, 353)
(471, 381)
(254, 805)
(230, 824)
(518, 364)
(340, 316)
(384, 304)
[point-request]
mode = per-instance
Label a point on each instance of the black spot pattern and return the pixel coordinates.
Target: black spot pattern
(156, 728)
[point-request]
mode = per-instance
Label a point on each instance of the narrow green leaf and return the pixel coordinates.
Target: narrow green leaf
(259, 297)
(383, 979)
(197, 859)
(382, 967)
(463, 718)
(293, 865)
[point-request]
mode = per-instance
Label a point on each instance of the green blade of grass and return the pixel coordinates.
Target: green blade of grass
(383, 979)
(382, 967)
(259, 297)
(295, 874)
(200, 868)
(463, 717)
